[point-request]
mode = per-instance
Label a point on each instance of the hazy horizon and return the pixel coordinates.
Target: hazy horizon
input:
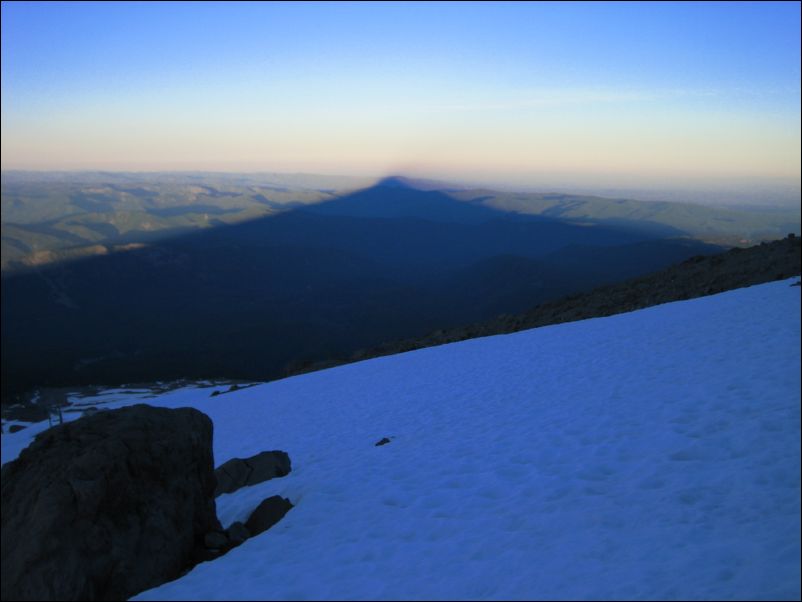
(732, 192)
(588, 96)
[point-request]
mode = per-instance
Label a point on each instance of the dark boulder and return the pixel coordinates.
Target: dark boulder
(108, 506)
(15, 428)
(237, 533)
(267, 514)
(241, 472)
(216, 540)
(220, 542)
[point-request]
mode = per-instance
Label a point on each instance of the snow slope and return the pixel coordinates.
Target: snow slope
(649, 455)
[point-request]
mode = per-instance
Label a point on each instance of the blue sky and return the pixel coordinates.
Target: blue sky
(644, 90)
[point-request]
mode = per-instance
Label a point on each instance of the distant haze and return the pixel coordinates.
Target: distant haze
(660, 99)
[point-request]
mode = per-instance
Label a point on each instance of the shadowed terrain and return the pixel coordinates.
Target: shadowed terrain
(259, 298)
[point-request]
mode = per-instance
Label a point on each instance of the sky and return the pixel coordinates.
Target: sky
(616, 92)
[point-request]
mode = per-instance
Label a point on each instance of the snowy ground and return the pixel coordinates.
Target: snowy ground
(649, 455)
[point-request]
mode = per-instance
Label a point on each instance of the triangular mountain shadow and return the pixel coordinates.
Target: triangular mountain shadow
(395, 222)
(256, 299)
(397, 182)
(396, 197)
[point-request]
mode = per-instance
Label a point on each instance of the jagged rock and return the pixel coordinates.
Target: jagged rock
(384, 441)
(15, 428)
(267, 514)
(237, 533)
(240, 472)
(107, 506)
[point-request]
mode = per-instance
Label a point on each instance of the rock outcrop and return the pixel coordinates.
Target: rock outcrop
(107, 506)
(242, 472)
(267, 514)
(237, 533)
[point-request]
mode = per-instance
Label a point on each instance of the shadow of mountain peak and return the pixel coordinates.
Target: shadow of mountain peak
(396, 182)
(421, 184)
(402, 197)
(317, 281)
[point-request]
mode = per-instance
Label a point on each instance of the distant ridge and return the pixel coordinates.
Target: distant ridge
(55, 217)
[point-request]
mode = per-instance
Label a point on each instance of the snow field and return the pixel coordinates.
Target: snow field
(649, 455)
